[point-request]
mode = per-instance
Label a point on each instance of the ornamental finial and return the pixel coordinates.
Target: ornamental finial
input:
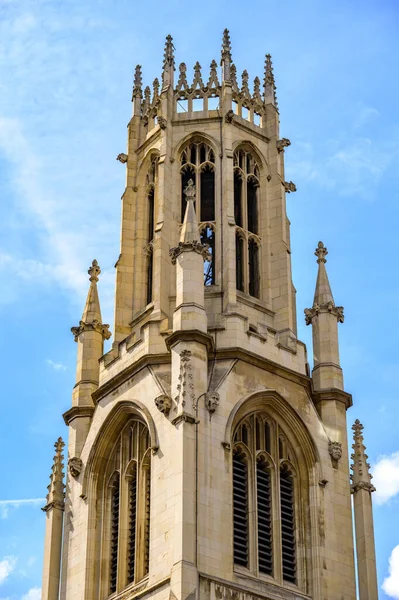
(226, 59)
(56, 497)
(321, 253)
(269, 82)
(94, 271)
(138, 82)
(189, 190)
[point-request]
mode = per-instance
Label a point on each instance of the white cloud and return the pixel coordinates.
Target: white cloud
(33, 594)
(391, 583)
(5, 505)
(386, 478)
(56, 366)
(7, 565)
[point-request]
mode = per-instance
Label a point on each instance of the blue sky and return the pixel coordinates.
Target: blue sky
(65, 88)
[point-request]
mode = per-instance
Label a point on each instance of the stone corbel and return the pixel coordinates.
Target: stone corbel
(163, 403)
(122, 158)
(335, 451)
(75, 466)
(212, 400)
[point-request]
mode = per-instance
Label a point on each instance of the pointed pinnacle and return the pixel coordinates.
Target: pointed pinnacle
(321, 252)
(94, 271)
(55, 497)
(323, 294)
(138, 82)
(361, 476)
(226, 45)
(269, 82)
(169, 58)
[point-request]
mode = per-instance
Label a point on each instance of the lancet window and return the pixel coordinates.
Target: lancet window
(264, 500)
(151, 182)
(126, 531)
(246, 215)
(198, 164)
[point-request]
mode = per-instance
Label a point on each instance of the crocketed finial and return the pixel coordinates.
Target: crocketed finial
(361, 476)
(55, 497)
(226, 59)
(138, 82)
(321, 253)
(269, 82)
(169, 57)
(94, 271)
(189, 190)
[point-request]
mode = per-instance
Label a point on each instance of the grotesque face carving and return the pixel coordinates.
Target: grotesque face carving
(75, 465)
(163, 403)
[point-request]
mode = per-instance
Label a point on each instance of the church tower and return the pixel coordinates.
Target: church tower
(205, 460)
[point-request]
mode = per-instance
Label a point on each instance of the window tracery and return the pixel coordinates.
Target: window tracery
(126, 524)
(264, 492)
(246, 215)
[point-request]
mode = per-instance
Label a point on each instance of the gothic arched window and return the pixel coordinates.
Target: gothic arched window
(197, 162)
(150, 210)
(246, 215)
(126, 529)
(264, 489)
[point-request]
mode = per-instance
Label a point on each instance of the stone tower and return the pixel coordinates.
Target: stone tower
(205, 460)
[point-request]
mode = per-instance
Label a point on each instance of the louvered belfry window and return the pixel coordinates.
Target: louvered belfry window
(240, 509)
(262, 469)
(114, 535)
(128, 471)
(287, 525)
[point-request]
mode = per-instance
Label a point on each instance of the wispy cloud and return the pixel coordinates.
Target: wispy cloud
(7, 566)
(6, 505)
(33, 594)
(391, 583)
(386, 479)
(55, 365)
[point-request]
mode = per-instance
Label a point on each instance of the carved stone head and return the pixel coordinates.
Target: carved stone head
(75, 465)
(335, 450)
(163, 403)
(212, 401)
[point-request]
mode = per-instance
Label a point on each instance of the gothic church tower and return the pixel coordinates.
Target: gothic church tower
(205, 461)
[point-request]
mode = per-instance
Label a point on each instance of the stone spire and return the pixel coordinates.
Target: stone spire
(226, 59)
(168, 62)
(56, 496)
(323, 316)
(269, 83)
(91, 317)
(361, 477)
(361, 489)
(323, 298)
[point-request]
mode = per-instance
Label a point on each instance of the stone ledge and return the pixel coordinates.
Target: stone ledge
(77, 411)
(333, 394)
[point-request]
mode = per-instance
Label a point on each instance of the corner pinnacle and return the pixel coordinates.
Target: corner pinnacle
(269, 83)
(361, 476)
(91, 317)
(56, 497)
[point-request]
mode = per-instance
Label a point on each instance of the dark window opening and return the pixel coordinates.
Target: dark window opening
(208, 237)
(188, 173)
(239, 263)
(202, 153)
(257, 434)
(193, 149)
(150, 268)
(151, 208)
(288, 526)
(267, 436)
(114, 537)
(147, 521)
(263, 497)
(244, 434)
(207, 194)
(240, 510)
(132, 528)
(237, 199)
(252, 207)
(253, 259)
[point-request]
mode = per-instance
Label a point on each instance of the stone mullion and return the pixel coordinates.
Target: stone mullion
(123, 516)
(276, 510)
